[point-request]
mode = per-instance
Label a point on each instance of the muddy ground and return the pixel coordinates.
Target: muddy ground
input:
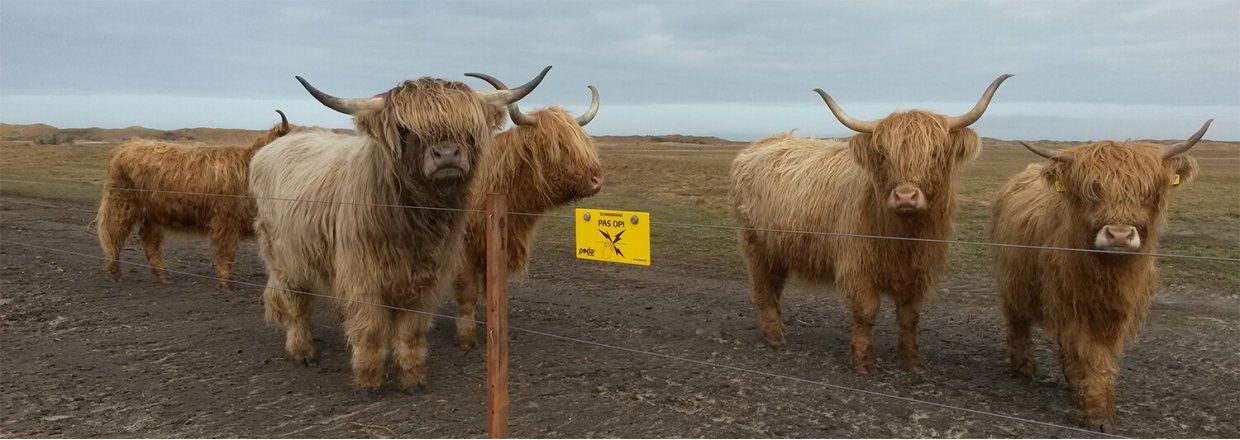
(84, 357)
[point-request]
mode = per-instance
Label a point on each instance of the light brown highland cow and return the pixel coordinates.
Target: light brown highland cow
(166, 187)
(417, 145)
(1102, 196)
(895, 178)
(547, 160)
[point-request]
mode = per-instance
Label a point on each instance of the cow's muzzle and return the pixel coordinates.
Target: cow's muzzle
(446, 160)
(906, 199)
(591, 186)
(1116, 237)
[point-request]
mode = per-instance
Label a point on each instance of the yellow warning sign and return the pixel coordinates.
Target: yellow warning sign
(615, 236)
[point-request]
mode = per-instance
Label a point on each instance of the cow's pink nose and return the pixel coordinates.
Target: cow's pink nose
(596, 185)
(906, 198)
(1119, 235)
(1118, 238)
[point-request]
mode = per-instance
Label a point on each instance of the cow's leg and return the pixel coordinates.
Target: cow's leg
(466, 286)
(224, 239)
(1019, 339)
(908, 314)
(767, 278)
(152, 242)
(1094, 367)
(864, 303)
(1020, 291)
(288, 308)
(410, 347)
(117, 216)
(367, 326)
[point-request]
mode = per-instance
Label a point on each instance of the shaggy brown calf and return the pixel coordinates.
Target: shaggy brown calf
(895, 178)
(418, 145)
(546, 160)
(167, 187)
(1104, 196)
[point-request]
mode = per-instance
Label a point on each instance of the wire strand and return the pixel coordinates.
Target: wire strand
(44, 205)
(625, 349)
(237, 196)
(705, 226)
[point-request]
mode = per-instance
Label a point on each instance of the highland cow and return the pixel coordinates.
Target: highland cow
(1107, 197)
(374, 219)
(896, 178)
(167, 187)
(546, 160)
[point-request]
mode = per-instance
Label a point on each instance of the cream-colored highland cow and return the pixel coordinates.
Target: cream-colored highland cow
(1103, 196)
(167, 187)
(546, 160)
(896, 178)
(418, 144)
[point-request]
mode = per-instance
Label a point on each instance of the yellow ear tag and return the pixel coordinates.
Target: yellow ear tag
(1176, 182)
(1059, 185)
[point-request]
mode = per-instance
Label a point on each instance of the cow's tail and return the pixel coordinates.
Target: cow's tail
(118, 212)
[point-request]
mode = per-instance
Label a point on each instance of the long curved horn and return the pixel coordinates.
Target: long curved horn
(346, 106)
(514, 112)
(588, 116)
(509, 96)
(967, 119)
(1047, 153)
(1180, 148)
(857, 125)
(283, 121)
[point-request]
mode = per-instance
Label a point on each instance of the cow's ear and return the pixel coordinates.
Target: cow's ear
(1053, 174)
(862, 149)
(1183, 166)
(965, 145)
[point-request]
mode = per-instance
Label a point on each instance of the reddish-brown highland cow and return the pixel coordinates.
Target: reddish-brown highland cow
(167, 187)
(386, 225)
(1104, 196)
(896, 178)
(546, 160)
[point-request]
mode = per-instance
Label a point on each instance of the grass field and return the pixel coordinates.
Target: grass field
(683, 184)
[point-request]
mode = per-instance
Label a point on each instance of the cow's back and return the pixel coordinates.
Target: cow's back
(298, 183)
(790, 183)
(182, 187)
(1025, 211)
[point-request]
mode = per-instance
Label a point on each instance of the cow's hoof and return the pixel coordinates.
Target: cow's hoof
(1105, 428)
(310, 362)
(863, 368)
(467, 344)
(913, 364)
(915, 368)
(776, 342)
(368, 395)
(417, 390)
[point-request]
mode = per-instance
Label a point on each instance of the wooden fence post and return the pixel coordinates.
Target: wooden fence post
(497, 315)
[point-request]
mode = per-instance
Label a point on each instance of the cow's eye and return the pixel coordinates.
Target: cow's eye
(1095, 190)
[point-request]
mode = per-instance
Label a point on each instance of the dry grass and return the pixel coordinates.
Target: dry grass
(687, 183)
(69, 172)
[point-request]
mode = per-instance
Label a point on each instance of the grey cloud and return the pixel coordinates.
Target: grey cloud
(1171, 53)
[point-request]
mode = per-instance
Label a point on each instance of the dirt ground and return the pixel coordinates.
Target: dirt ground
(84, 357)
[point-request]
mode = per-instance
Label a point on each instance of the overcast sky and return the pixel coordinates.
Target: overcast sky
(737, 69)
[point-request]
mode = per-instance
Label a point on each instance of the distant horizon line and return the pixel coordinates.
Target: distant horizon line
(733, 138)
